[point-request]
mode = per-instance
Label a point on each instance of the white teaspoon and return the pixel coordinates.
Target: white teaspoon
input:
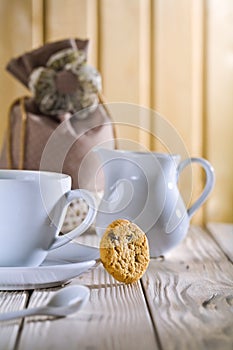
(66, 301)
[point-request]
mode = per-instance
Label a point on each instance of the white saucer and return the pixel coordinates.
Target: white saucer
(60, 266)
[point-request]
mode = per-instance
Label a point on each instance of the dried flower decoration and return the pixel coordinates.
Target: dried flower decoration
(66, 84)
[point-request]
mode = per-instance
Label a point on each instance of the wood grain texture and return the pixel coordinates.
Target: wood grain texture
(11, 301)
(190, 295)
(116, 317)
(223, 235)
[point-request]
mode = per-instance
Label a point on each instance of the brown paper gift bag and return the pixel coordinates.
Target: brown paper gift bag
(62, 141)
(61, 137)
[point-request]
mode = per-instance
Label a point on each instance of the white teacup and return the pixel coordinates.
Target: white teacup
(32, 210)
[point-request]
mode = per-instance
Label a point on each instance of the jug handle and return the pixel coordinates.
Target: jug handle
(210, 180)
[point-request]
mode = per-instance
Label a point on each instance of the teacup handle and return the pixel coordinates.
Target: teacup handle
(86, 223)
(210, 179)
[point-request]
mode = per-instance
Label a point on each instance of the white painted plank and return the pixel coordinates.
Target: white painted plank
(124, 52)
(10, 301)
(223, 235)
(116, 317)
(190, 295)
(218, 102)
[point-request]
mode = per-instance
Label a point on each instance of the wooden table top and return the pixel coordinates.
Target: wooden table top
(182, 302)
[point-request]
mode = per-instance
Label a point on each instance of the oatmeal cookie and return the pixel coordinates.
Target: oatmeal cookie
(124, 251)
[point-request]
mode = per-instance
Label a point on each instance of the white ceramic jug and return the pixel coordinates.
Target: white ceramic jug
(142, 187)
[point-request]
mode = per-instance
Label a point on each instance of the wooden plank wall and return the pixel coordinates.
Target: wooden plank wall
(172, 56)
